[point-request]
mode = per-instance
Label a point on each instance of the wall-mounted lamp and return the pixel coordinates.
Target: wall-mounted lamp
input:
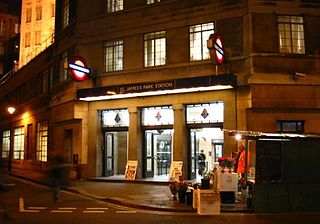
(11, 110)
(296, 75)
(238, 137)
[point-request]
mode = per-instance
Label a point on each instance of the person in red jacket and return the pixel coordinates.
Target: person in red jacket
(241, 162)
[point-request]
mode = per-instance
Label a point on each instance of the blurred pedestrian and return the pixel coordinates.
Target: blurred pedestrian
(59, 176)
(4, 187)
(201, 162)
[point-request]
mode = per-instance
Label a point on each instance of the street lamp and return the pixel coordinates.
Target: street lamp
(11, 110)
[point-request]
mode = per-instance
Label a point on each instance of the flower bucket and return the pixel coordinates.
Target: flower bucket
(205, 183)
(182, 196)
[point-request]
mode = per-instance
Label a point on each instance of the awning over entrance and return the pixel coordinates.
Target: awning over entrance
(194, 84)
(270, 136)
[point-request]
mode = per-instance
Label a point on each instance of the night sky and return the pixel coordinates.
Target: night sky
(14, 5)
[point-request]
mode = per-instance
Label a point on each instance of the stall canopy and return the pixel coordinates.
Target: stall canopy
(287, 177)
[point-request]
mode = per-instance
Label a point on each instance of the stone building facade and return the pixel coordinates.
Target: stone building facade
(154, 94)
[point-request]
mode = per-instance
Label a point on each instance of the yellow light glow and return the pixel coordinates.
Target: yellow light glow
(238, 137)
(156, 93)
(11, 110)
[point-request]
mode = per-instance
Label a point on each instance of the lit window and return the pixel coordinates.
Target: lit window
(18, 146)
(1, 48)
(53, 10)
(199, 34)
(114, 56)
(37, 39)
(290, 126)
(63, 75)
(155, 49)
(28, 15)
(27, 40)
(5, 144)
(2, 27)
(39, 13)
(42, 141)
(115, 118)
(152, 1)
(291, 34)
(157, 116)
(65, 13)
(16, 28)
(205, 113)
(114, 5)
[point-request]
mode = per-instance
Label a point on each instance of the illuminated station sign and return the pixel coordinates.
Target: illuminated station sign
(79, 68)
(215, 45)
(218, 49)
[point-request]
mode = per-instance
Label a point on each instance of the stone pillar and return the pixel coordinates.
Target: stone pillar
(135, 138)
(180, 137)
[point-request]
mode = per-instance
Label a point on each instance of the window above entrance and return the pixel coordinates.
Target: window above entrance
(205, 113)
(157, 116)
(115, 118)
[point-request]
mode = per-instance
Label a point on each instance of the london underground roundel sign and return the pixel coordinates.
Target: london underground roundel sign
(218, 48)
(79, 68)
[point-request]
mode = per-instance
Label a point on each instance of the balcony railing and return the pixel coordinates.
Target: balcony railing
(44, 45)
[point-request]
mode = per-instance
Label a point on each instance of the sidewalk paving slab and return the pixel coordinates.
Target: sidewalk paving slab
(140, 194)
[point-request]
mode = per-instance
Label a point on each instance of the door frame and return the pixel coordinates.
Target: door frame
(104, 147)
(146, 173)
(191, 175)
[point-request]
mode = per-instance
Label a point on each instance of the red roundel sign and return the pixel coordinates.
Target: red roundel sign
(218, 48)
(79, 68)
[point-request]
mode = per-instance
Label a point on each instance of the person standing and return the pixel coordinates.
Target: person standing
(201, 163)
(241, 161)
(58, 173)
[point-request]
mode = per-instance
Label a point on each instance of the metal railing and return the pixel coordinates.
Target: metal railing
(36, 51)
(162, 165)
(44, 45)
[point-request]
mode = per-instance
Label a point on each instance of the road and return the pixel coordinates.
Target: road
(29, 203)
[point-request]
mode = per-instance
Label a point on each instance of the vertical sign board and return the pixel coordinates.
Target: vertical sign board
(215, 46)
(131, 169)
(218, 49)
(175, 170)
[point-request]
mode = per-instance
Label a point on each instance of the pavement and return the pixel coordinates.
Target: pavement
(140, 194)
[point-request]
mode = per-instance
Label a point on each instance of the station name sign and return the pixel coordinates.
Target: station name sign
(184, 83)
(136, 88)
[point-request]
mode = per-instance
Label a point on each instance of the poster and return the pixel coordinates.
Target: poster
(131, 169)
(175, 170)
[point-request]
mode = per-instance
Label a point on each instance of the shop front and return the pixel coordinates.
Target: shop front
(156, 128)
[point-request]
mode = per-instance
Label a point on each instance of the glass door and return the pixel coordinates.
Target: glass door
(109, 155)
(193, 146)
(158, 152)
(149, 151)
(115, 153)
(218, 149)
(206, 146)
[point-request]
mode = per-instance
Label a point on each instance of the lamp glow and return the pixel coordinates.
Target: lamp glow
(238, 137)
(11, 110)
